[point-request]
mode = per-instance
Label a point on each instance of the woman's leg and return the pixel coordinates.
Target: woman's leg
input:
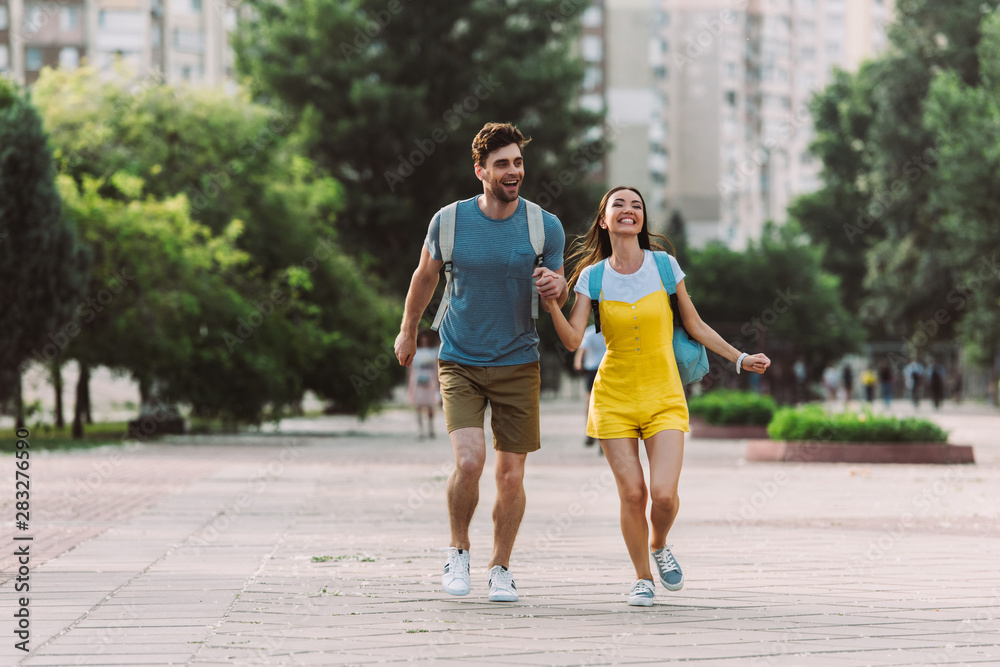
(623, 456)
(666, 454)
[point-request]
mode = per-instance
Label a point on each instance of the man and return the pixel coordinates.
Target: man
(489, 348)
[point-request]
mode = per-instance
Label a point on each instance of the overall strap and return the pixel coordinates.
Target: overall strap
(536, 232)
(446, 241)
(594, 287)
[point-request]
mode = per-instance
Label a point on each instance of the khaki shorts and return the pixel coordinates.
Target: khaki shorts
(512, 393)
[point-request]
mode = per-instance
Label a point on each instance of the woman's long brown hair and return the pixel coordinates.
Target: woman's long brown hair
(595, 245)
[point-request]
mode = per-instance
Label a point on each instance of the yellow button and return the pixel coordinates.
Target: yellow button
(633, 307)
(637, 339)
(637, 328)
(636, 349)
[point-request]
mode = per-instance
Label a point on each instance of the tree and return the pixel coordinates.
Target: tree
(244, 298)
(43, 269)
(677, 233)
(962, 120)
(774, 298)
(837, 214)
(880, 160)
(396, 91)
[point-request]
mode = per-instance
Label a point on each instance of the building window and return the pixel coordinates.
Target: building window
(34, 21)
(592, 48)
(33, 59)
(592, 17)
(196, 5)
(69, 18)
(69, 57)
(592, 78)
(191, 41)
(4, 56)
(3, 17)
(731, 98)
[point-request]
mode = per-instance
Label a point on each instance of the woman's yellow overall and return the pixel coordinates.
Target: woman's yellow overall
(638, 391)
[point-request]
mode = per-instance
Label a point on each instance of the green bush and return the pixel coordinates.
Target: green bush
(811, 422)
(727, 406)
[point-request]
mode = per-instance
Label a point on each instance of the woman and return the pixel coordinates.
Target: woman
(638, 393)
(422, 383)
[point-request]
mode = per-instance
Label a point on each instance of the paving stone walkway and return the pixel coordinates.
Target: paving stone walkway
(321, 545)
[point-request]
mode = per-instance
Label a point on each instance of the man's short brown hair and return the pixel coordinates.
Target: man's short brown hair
(495, 136)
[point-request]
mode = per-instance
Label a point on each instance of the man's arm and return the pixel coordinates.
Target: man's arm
(422, 285)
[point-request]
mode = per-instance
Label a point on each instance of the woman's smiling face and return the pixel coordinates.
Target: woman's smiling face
(624, 214)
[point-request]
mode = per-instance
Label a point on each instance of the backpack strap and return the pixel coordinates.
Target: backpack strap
(446, 242)
(666, 271)
(669, 282)
(594, 287)
(536, 232)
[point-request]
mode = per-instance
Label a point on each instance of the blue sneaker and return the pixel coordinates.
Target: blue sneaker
(642, 594)
(670, 572)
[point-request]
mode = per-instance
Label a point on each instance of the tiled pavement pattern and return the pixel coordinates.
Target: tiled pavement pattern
(306, 549)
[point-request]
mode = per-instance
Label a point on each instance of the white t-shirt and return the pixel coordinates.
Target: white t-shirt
(632, 287)
(594, 348)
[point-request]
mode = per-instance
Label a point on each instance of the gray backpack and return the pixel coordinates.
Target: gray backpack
(446, 241)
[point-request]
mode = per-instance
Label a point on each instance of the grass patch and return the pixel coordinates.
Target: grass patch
(44, 436)
(726, 407)
(811, 422)
(358, 557)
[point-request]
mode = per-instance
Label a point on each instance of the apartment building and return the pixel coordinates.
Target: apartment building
(173, 40)
(714, 113)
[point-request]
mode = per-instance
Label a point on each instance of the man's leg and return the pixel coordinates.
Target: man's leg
(509, 507)
(469, 445)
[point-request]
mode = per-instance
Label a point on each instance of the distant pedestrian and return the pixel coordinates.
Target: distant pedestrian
(956, 387)
(913, 376)
(885, 383)
(799, 369)
(830, 380)
(868, 381)
(422, 381)
(937, 380)
(847, 377)
(588, 359)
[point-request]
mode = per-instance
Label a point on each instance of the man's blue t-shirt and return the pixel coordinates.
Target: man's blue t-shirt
(488, 322)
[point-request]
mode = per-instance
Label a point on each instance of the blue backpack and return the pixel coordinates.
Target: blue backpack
(692, 357)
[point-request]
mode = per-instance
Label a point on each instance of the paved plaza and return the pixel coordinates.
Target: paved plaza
(322, 545)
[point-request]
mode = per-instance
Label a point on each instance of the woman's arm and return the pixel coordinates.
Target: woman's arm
(708, 337)
(570, 331)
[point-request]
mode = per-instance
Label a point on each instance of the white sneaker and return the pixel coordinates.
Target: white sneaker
(456, 579)
(502, 588)
(642, 594)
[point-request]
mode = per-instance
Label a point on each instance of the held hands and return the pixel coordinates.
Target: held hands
(758, 363)
(550, 287)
